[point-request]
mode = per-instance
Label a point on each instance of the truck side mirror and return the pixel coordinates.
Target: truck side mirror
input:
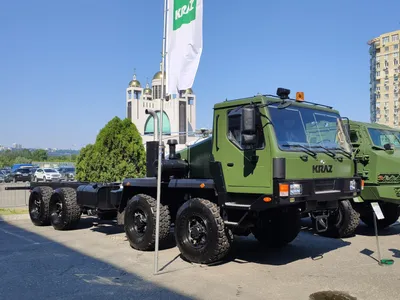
(248, 131)
(388, 147)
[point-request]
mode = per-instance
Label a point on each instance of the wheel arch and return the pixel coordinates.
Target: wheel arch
(130, 191)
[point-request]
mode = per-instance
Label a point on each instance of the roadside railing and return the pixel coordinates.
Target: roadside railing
(13, 198)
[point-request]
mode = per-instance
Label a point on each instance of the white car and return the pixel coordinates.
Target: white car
(46, 174)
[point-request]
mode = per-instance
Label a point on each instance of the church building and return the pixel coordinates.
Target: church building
(179, 117)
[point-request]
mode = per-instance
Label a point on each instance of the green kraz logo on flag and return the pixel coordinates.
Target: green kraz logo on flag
(184, 12)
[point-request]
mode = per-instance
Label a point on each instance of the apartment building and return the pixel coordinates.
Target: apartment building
(384, 79)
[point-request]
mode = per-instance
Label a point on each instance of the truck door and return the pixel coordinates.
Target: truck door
(247, 171)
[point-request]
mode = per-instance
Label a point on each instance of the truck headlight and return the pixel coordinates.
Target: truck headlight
(295, 189)
(353, 185)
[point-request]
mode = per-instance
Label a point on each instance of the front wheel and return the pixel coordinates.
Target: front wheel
(200, 232)
(343, 222)
(390, 212)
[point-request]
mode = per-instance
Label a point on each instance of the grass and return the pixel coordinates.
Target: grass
(13, 211)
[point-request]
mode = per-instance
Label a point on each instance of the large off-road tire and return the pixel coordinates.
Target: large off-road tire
(39, 201)
(343, 222)
(278, 229)
(390, 212)
(65, 212)
(140, 222)
(200, 232)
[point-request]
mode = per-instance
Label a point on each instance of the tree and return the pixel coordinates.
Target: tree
(117, 153)
(39, 155)
(22, 160)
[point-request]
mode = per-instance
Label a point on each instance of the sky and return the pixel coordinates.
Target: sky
(65, 65)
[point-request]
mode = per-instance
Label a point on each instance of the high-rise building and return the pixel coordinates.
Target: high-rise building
(179, 117)
(384, 79)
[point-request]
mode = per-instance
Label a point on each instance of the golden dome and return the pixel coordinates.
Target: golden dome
(158, 75)
(147, 91)
(134, 83)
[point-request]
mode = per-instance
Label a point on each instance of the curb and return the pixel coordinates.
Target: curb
(4, 218)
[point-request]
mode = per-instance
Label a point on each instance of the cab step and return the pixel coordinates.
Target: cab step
(237, 205)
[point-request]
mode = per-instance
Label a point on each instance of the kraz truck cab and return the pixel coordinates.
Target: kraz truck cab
(377, 153)
(272, 160)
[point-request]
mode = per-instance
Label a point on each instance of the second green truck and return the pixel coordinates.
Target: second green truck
(376, 153)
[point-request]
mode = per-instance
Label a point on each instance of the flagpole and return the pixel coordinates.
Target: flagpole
(160, 145)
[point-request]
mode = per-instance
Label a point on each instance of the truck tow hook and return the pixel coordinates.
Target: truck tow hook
(321, 223)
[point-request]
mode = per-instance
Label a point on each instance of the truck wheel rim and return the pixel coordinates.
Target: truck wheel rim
(197, 231)
(58, 208)
(35, 209)
(140, 222)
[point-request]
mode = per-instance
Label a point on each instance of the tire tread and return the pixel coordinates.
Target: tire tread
(224, 235)
(165, 222)
(72, 210)
(45, 194)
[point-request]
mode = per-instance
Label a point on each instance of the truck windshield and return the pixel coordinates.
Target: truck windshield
(380, 137)
(308, 127)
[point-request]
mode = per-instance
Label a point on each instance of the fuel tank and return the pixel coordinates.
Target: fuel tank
(96, 195)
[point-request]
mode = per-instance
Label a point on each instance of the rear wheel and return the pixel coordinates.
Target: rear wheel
(278, 229)
(140, 222)
(343, 222)
(39, 202)
(65, 212)
(200, 232)
(390, 212)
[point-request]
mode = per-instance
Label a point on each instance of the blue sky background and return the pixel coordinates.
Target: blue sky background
(65, 65)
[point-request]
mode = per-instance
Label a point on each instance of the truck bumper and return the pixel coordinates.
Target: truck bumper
(312, 194)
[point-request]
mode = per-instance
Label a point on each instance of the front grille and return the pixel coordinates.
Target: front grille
(323, 185)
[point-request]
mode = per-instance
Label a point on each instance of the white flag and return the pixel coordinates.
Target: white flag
(184, 43)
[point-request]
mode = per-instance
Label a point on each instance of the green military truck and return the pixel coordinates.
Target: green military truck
(378, 163)
(257, 173)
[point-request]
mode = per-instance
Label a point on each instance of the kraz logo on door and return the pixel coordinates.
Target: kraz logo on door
(322, 169)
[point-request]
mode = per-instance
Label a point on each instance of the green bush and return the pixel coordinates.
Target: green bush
(117, 153)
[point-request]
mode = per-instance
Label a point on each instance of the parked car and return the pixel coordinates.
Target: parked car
(46, 174)
(15, 167)
(22, 174)
(33, 170)
(67, 173)
(5, 171)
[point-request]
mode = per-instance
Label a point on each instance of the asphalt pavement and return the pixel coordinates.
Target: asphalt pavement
(96, 262)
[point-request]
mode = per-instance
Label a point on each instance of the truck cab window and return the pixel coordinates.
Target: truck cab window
(353, 137)
(234, 129)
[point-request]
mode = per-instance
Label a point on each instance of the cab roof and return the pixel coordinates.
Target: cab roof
(371, 125)
(274, 99)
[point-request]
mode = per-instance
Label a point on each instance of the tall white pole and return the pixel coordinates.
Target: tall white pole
(160, 145)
